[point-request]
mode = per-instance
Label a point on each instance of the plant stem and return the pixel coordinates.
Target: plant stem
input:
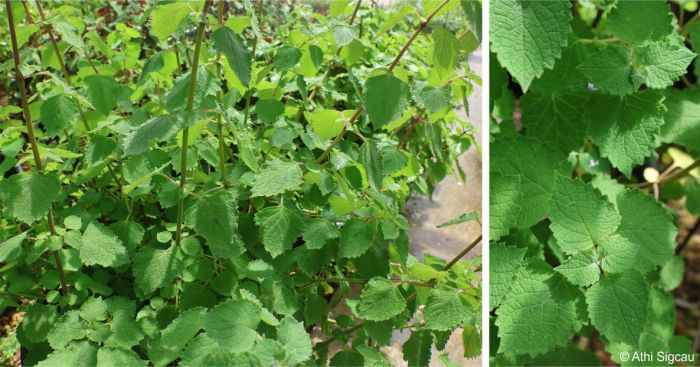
(420, 28)
(32, 138)
(26, 12)
(463, 253)
(405, 47)
(410, 128)
(594, 41)
(680, 174)
(687, 238)
(186, 130)
(246, 114)
(59, 57)
(219, 122)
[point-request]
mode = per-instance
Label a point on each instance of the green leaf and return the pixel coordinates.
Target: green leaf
(504, 203)
(130, 233)
(76, 354)
(280, 227)
(69, 35)
(68, 328)
(57, 113)
(37, 322)
(682, 120)
(542, 303)
(343, 35)
(326, 123)
(356, 237)
(445, 50)
(435, 99)
(610, 70)
(416, 350)
(160, 128)
(646, 223)
(201, 351)
(269, 110)
(386, 98)
(462, 218)
(471, 341)
(517, 156)
(581, 268)
(338, 7)
(93, 310)
(233, 325)
(346, 357)
(11, 248)
(287, 57)
(447, 308)
(528, 36)
(625, 128)
(555, 119)
(617, 254)
(317, 232)
(474, 17)
(28, 196)
(372, 163)
(215, 217)
(314, 309)
(277, 177)
(504, 264)
(126, 332)
(660, 64)
(380, 300)
(102, 92)
(205, 85)
(100, 246)
(239, 58)
(183, 328)
(618, 307)
(295, 339)
(580, 216)
(167, 19)
(109, 357)
(635, 22)
(672, 273)
(153, 64)
(154, 268)
(98, 150)
(565, 77)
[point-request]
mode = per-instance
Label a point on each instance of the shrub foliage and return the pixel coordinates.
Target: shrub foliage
(203, 183)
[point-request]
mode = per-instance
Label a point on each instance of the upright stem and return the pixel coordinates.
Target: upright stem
(405, 47)
(420, 28)
(247, 95)
(186, 130)
(59, 57)
(220, 124)
(463, 253)
(32, 138)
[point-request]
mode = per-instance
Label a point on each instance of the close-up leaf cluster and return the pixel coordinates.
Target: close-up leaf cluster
(205, 183)
(593, 166)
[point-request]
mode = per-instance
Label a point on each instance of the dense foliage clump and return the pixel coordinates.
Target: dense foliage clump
(206, 183)
(590, 100)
